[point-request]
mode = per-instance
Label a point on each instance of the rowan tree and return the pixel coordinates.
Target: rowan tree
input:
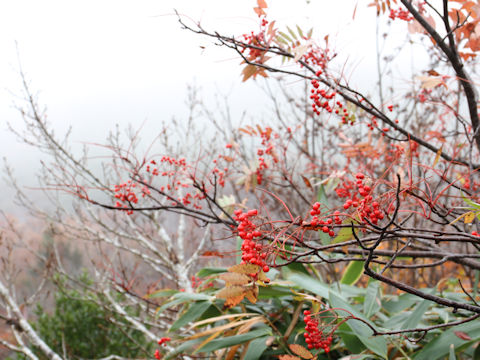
(352, 216)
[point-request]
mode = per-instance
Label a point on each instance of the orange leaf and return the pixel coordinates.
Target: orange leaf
(233, 301)
(288, 357)
(307, 182)
(259, 11)
(300, 351)
(252, 294)
(212, 253)
(262, 4)
(248, 71)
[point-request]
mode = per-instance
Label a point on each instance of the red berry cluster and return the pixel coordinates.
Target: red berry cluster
(178, 171)
(366, 206)
(424, 94)
(247, 230)
(197, 282)
(314, 337)
(266, 136)
(161, 342)
(400, 14)
(317, 57)
(373, 124)
(321, 100)
(125, 193)
(320, 224)
(475, 233)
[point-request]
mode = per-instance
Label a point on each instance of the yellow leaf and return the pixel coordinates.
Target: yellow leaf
(218, 318)
(207, 340)
(221, 328)
(437, 157)
(469, 216)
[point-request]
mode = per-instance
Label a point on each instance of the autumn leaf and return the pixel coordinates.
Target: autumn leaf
(248, 71)
(259, 11)
(288, 357)
(262, 4)
(307, 182)
(252, 294)
(232, 278)
(230, 292)
(233, 301)
(462, 335)
(437, 157)
(469, 216)
(300, 351)
(244, 269)
(430, 82)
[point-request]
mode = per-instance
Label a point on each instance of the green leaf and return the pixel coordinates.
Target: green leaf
(471, 203)
(352, 273)
(300, 32)
(162, 293)
(256, 348)
(193, 313)
(345, 233)
(476, 353)
(414, 319)
(285, 36)
(269, 292)
(297, 267)
(376, 344)
(292, 33)
(352, 342)
(309, 34)
(451, 355)
(233, 340)
(181, 298)
(308, 283)
(439, 347)
(400, 303)
(372, 303)
(210, 271)
(322, 197)
(183, 348)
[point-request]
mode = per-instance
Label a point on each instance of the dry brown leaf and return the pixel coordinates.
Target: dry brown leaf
(232, 278)
(430, 82)
(252, 294)
(233, 301)
(230, 291)
(249, 71)
(244, 269)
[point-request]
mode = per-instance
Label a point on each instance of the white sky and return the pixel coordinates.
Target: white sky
(96, 63)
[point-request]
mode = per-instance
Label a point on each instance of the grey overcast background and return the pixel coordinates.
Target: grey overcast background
(97, 63)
